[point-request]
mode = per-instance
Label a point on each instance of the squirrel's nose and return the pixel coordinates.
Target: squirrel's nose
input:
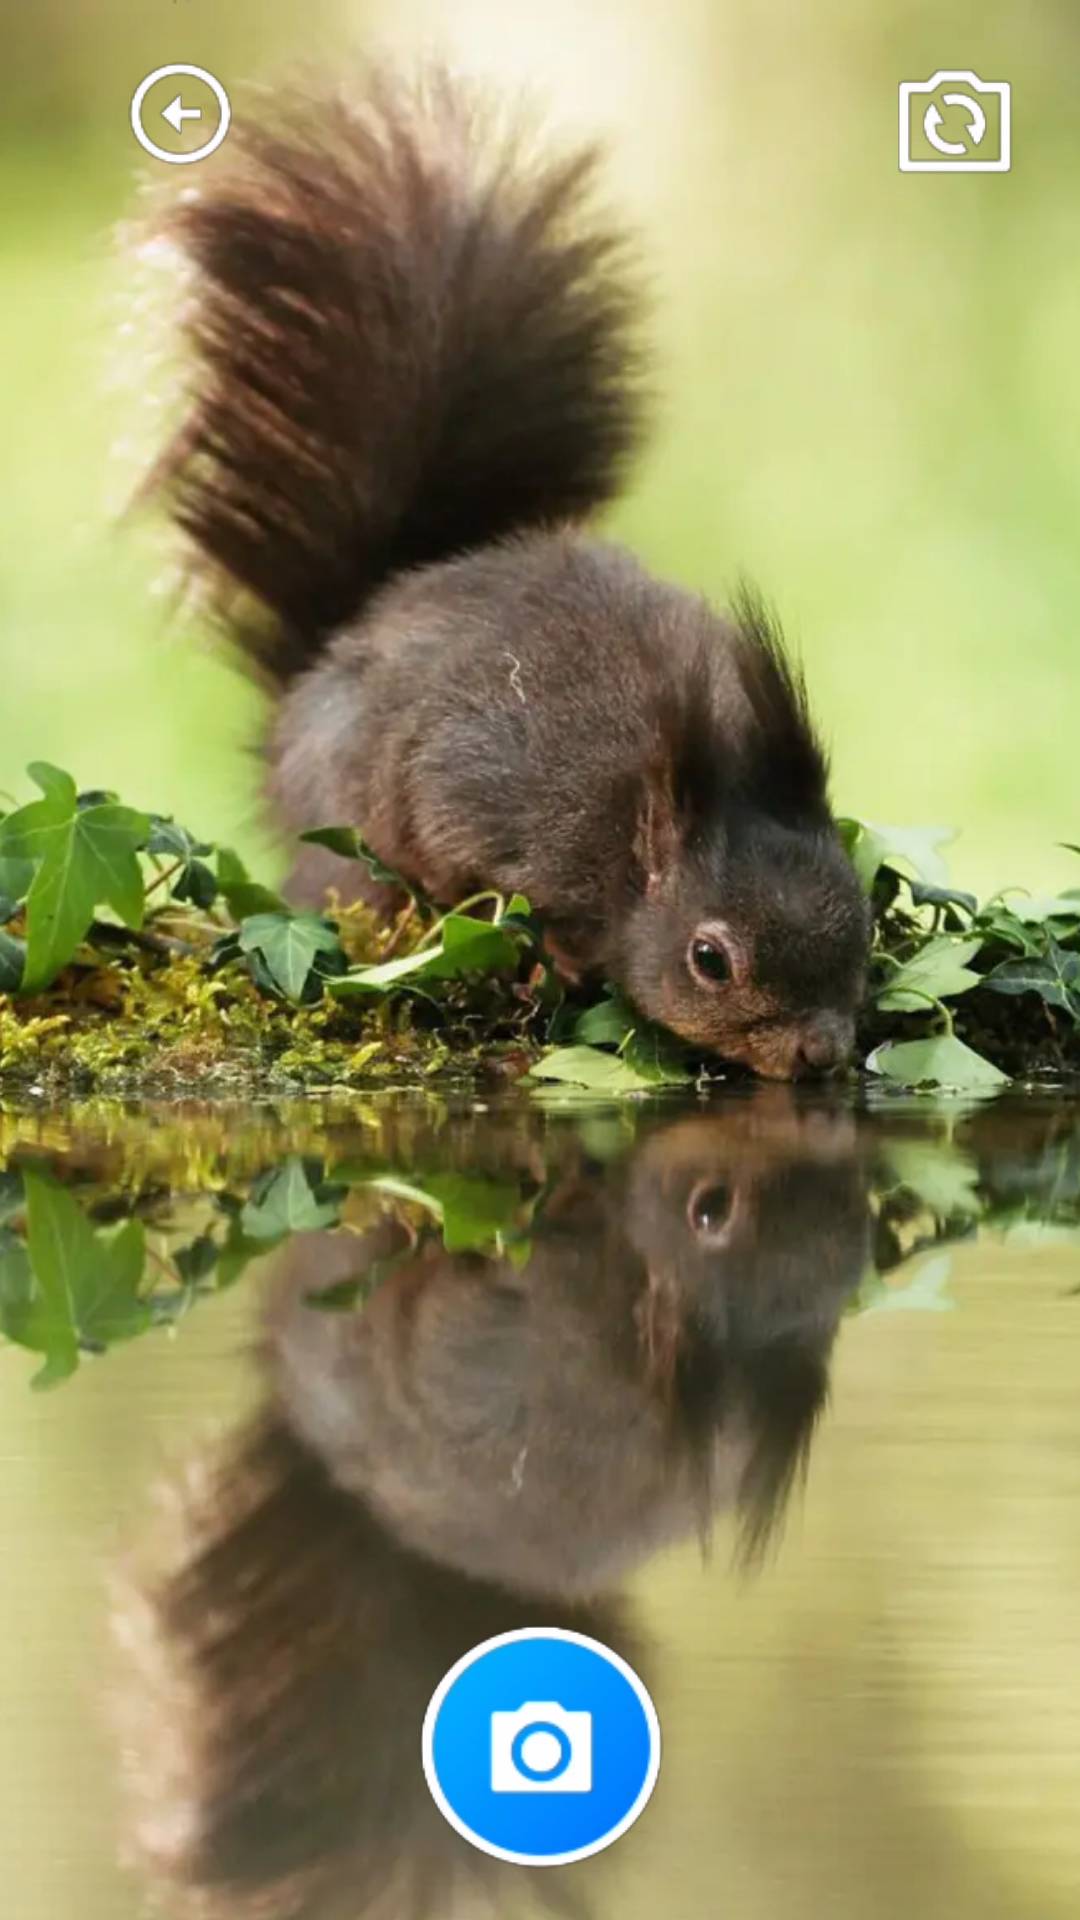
(825, 1043)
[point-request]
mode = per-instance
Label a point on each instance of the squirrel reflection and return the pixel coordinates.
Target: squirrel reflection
(482, 1446)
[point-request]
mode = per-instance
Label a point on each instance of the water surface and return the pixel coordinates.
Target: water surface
(775, 1395)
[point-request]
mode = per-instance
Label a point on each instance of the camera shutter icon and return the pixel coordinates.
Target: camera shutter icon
(541, 1748)
(984, 115)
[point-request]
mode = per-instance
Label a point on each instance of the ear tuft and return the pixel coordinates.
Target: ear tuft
(782, 766)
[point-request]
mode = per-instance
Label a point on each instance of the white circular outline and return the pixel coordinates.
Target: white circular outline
(427, 1743)
(197, 153)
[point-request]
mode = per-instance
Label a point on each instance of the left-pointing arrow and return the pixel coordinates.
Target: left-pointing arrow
(176, 113)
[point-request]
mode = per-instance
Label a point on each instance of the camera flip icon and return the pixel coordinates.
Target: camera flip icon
(955, 123)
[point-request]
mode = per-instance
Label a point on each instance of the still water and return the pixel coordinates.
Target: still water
(776, 1396)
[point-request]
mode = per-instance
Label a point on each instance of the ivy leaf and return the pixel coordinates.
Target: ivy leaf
(998, 922)
(196, 1261)
(85, 858)
(1055, 976)
(872, 846)
(940, 1060)
(289, 944)
(15, 877)
(287, 1200)
(864, 850)
(656, 1057)
(352, 846)
(69, 1287)
(12, 962)
(466, 946)
(242, 895)
(589, 1068)
(475, 1213)
(1036, 908)
(928, 896)
(609, 1024)
(945, 1179)
(938, 969)
(195, 881)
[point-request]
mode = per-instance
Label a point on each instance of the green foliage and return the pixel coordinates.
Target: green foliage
(644, 1056)
(937, 970)
(1054, 976)
(347, 842)
(941, 1060)
(191, 878)
(80, 856)
(67, 1287)
(901, 848)
(942, 959)
(129, 1219)
(290, 1199)
(291, 946)
(464, 946)
(241, 894)
(99, 901)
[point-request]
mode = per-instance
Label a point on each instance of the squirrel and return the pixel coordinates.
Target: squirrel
(416, 375)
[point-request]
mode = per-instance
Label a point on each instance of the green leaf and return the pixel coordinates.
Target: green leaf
(1055, 977)
(196, 1261)
(608, 1024)
(937, 970)
(15, 876)
(927, 896)
(351, 846)
(74, 1287)
(195, 881)
(998, 922)
(658, 1059)
(288, 944)
(242, 895)
(287, 1201)
(588, 1067)
(474, 1212)
(1036, 908)
(85, 858)
(864, 850)
(871, 846)
(12, 962)
(940, 1060)
(467, 946)
(945, 1180)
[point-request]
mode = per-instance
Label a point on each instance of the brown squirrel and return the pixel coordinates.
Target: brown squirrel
(416, 375)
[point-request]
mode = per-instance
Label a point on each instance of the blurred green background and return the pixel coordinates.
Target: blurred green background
(870, 381)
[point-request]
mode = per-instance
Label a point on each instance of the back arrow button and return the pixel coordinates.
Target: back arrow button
(176, 113)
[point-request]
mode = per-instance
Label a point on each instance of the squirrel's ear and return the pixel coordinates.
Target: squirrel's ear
(659, 832)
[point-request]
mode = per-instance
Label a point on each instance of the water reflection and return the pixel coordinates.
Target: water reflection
(455, 1443)
(505, 1358)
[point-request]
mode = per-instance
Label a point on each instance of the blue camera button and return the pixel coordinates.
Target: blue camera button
(541, 1746)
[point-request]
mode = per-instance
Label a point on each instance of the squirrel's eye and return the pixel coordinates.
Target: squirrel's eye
(710, 1210)
(710, 962)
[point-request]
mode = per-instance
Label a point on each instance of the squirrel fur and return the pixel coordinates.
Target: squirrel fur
(415, 376)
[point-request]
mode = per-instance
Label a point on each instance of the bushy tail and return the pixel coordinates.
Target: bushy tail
(410, 335)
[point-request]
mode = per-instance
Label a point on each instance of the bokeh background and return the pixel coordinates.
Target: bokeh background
(870, 381)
